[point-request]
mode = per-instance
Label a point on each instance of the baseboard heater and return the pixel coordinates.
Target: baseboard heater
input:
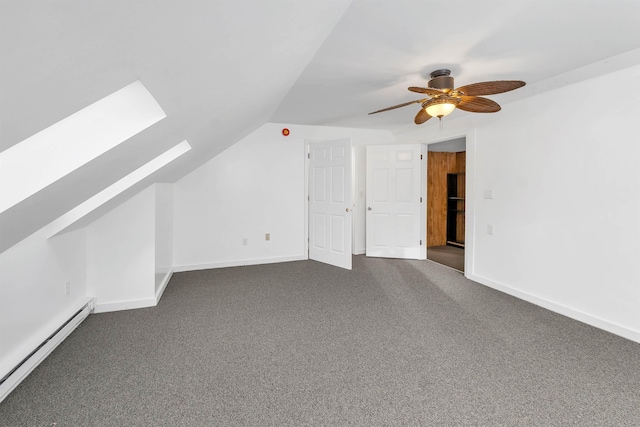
(11, 380)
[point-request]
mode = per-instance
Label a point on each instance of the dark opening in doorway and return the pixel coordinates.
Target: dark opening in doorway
(446, 202)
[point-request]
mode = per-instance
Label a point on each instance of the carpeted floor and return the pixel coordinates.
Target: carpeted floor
(451, 256)
(302, 343)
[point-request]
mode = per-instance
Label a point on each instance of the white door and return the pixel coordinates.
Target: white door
(330, 207)
(394, 201)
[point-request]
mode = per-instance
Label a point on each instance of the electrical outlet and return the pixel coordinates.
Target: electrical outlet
(245, 241)
(267, 236)
(67, 288)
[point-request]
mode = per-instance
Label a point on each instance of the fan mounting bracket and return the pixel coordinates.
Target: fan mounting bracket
(443, 72)
(441, 80)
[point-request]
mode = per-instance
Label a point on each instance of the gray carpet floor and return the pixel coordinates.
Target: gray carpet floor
(450, 256)
(302, 343)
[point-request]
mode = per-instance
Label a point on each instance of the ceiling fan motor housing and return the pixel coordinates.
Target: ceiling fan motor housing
(441, 79)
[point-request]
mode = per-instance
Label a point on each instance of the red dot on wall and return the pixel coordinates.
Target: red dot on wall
(285, 132)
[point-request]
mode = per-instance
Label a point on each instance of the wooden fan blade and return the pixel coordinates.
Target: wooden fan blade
(490, 88)
(476, 104)
(417, 101)
(421, 117)
(428, 91)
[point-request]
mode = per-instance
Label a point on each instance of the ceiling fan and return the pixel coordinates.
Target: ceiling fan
(443, 98)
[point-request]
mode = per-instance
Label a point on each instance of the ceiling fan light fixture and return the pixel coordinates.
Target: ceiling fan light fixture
(440, 107)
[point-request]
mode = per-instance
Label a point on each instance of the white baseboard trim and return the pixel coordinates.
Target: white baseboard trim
(125, 305)
(163, 286)
(43, 348)
(237, 263)
(107, 307)
(572, 313)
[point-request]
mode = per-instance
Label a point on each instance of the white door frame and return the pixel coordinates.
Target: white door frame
(470, 201)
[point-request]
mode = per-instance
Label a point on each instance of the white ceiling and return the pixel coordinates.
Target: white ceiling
(379, 48)
(222, 68)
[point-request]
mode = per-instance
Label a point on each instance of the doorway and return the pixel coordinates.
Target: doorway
(446, 202)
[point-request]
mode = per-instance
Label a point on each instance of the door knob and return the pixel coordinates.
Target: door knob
(369, 208)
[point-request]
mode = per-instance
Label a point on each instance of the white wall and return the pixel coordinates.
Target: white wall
(257, 186)
(565, 175)
(121, 255)
(33, 298)
(564, 169)
(123, 259)
(164, 236)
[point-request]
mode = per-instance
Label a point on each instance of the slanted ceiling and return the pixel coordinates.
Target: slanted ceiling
(217, 68)
(222, 68)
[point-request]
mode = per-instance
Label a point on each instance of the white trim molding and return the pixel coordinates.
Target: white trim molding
(125, 305)
(163, 286)
(238, 263)
(572, 313)
(25, 363)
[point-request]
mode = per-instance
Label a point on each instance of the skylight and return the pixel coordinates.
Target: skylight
(63, 147)
(116, 188)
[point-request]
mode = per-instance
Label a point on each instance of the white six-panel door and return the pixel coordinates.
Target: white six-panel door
(394, 192)
(330, 206)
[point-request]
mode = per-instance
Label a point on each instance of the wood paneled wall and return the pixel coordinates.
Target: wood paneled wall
(439, 165)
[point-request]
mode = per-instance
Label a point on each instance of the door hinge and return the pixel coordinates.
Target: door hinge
(308, 155)
(420, 199)
(420, 242)
(420, 156)
(308, 198)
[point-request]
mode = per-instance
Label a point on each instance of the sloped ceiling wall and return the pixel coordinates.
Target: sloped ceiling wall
(218, 69)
